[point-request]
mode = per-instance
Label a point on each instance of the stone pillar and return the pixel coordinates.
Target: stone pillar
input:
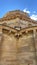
(34, 37)
(0, 42)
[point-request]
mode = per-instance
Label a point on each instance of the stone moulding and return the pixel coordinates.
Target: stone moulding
(17, 14)
(18, 32)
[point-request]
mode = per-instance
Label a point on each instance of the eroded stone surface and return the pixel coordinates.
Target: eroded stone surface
(18, 40)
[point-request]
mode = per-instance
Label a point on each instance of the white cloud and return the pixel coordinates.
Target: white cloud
(33, 16)
(25, 10)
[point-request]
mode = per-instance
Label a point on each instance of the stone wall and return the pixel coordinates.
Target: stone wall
(18, 51)
(18, 39)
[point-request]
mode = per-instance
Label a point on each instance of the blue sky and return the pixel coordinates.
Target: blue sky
(29, 6)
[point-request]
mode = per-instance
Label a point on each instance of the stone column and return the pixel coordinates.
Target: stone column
(34, 39)
(0, 42)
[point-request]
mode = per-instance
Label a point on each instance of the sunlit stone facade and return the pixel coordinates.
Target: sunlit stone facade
(18, 39)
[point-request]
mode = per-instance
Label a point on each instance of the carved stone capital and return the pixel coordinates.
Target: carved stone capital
(17, 35)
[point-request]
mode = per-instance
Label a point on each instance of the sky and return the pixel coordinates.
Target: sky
(29, 6)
